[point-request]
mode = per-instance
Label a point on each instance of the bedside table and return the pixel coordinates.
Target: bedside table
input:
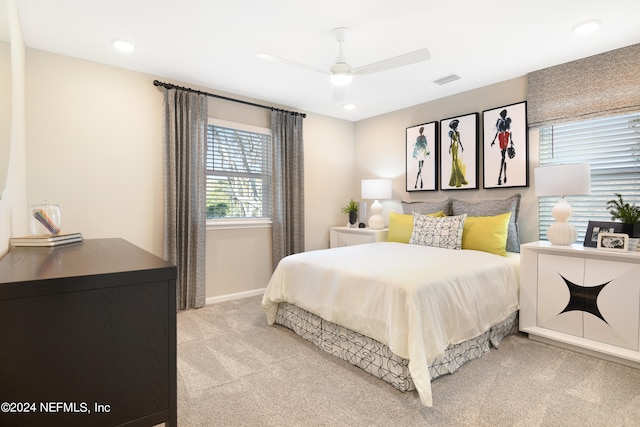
(346, 236)
(582, 298)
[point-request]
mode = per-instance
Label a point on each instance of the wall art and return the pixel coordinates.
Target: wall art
(505, 146)
(421, 157)
(459, 153)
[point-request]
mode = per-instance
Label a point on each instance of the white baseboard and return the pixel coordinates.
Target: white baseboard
(231, 297)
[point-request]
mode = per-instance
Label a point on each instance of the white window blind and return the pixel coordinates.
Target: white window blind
(611, 146)
(238, 171)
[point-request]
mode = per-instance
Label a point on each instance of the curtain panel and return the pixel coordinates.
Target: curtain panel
(184, 133)
(287, 185)
(598, 86)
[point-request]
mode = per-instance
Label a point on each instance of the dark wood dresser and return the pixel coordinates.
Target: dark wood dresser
(87, 336)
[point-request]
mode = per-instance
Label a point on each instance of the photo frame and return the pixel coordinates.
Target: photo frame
(505, 146)
(618, 242)
(595, 228)
(459, 152)
(422, 157)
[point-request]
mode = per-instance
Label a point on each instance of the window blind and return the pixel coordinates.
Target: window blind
(238, 173)
(607, 84)
(611, 146)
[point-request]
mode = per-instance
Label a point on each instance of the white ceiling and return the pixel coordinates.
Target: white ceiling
(214, 43)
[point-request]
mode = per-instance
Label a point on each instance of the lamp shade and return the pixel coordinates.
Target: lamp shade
(563, 180)
(376, 188)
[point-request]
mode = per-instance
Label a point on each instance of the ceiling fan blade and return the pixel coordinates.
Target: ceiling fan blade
(284, 61)
(395, 62)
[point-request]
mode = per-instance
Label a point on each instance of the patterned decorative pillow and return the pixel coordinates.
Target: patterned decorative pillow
(492, 208)
(440, 232)
(426, 207)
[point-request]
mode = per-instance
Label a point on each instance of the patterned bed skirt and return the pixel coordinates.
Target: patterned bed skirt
(375, 357)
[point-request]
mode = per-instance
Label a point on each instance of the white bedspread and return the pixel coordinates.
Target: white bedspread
(415, 299)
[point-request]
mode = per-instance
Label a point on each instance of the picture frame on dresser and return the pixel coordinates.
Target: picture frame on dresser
(505, 146)
(617, 242)
(594, 228)
(459, 152)
(422, 157)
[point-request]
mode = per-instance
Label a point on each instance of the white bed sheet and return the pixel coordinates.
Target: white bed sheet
(415, 299)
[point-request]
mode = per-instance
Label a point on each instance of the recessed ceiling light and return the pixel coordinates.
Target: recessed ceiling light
(586, 27)
(349, 107)
(123, 46)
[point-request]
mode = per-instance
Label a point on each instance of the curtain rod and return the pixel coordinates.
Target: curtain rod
(172, 86)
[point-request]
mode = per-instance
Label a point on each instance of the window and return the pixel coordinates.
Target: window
(238, 171)
(611, 146)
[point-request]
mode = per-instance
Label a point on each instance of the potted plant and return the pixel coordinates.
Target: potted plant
(628, 214)
(351, 209)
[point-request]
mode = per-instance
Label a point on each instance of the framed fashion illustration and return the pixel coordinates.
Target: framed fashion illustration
(459, 153)
(421, 157)
(505, 146)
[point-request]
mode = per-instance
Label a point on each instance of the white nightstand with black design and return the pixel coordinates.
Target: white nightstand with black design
(582, 298)
(346, 236)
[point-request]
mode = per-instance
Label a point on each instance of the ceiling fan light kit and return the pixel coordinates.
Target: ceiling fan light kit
(340, 79)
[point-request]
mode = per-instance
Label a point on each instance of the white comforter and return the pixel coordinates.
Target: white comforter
(415, 299)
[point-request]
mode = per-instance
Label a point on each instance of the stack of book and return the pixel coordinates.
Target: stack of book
(633, 244)
(46, 239)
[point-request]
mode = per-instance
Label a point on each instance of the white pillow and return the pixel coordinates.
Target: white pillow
(444, 232)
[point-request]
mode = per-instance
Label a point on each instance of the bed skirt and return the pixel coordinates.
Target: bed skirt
(375, 357)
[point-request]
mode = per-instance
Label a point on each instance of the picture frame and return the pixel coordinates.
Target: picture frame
(595, 228)
(505, 146)
(618, 242)
(421, 152)
(459, 152)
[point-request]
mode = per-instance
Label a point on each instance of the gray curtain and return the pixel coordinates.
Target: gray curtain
(185, 130)
(287, 184)
(597, 86)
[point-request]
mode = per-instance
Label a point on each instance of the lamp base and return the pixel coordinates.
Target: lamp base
(376, 220)
(561, 232)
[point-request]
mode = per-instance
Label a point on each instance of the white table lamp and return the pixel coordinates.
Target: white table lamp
(562, 180)
(376, 189)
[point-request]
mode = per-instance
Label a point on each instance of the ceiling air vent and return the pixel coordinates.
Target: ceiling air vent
(446, 79)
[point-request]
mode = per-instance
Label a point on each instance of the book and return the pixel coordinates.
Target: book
(46, 239)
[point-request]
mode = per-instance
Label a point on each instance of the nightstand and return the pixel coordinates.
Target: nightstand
(582, 298)
(346, 236)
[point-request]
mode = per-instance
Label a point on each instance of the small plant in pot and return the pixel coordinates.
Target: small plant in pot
(351, 209)
(628, 214)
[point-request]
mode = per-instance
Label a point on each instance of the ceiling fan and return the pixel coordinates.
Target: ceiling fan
(341, 73)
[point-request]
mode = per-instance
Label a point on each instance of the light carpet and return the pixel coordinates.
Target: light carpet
(235, 370)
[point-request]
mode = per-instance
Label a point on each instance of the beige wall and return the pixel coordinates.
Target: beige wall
(94, 146)
(380, 148)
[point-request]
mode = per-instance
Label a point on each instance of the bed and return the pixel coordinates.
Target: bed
(415, 307)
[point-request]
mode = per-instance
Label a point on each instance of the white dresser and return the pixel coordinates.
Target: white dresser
(582, 298)
(346, 236)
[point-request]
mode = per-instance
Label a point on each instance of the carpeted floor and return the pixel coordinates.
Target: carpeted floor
(235, 370)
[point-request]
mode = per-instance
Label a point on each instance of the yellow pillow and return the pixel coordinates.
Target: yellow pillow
(401, 226)
(486, 233)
